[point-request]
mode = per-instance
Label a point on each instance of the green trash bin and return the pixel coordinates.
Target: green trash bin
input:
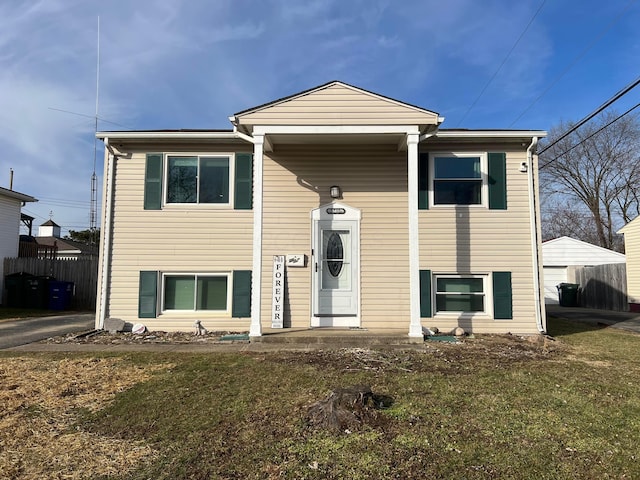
(568, 294)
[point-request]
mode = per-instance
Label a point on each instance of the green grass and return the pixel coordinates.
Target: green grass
(479, 410)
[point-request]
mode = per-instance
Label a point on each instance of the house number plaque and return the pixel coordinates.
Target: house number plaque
(335, 211)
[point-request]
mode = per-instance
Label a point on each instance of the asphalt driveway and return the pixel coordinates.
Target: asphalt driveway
(28, 330)
(623, 320)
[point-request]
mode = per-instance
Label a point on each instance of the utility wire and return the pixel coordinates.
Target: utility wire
(589, 136)
(616, 97)
(575, 60)
(89, 116)
(502, 64)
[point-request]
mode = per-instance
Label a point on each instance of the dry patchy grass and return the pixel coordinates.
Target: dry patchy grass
(41, 399)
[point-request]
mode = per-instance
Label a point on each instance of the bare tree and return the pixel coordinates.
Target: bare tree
(590, 179)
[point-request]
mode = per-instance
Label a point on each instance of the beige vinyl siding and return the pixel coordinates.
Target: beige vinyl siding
(189, 239)
(339, 105)
(632, 251)
(476, 240)
(373, 179)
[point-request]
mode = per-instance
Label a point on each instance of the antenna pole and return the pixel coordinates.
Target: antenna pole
(94, 178)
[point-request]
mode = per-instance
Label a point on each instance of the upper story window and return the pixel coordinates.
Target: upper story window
(216, 179)
(472, 179)
(198, 179)
(458, 179)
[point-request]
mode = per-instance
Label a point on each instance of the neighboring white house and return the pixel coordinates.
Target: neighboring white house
(10, 204)
(49, 234)
(561, 255)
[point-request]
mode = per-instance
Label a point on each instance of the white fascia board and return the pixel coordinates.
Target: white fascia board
(491, 134)
(17, 195)
(333, 129)
(168, 135)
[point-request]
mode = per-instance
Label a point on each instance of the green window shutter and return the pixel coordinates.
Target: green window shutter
(153, 182)
(241, 294)
(425, 293)
(148, 294)
(497, 181)
(244, 181)
(502, 298)
(423, 182)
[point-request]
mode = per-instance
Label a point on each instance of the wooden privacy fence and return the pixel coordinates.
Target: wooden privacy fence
(82, 272)
(603, 287)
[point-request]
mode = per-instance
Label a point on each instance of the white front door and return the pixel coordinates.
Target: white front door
(336, 273)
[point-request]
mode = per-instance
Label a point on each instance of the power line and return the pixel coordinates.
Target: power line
(616, 97)
(589, 136)
(502, 64)
(575, 60)
(89, 116)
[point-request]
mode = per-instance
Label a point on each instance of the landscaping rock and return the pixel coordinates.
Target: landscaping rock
(459, 332)
(114, 325)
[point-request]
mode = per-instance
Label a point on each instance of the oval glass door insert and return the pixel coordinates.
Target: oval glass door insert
(334, 254)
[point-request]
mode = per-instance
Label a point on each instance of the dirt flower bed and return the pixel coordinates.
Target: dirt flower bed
(105, 338)
(41, 399)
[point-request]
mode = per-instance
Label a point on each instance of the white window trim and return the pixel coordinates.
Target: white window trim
(195, 312)
(487, 291)
(484, 177)
(232, 176)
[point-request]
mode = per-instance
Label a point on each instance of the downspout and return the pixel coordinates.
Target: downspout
(533, 217)
(105, 257)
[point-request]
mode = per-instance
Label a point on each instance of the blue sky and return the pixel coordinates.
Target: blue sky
(168, 64)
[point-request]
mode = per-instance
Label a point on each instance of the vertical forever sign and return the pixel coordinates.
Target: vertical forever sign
(277, 308)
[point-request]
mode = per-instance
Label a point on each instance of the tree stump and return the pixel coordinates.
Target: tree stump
(346, 408)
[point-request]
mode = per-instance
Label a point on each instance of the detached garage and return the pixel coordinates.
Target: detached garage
(561, 255)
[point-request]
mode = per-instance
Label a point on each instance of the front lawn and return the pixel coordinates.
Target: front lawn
(492, 407)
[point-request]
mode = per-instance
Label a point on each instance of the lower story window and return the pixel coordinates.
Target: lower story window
(460, 294)
(196, 292)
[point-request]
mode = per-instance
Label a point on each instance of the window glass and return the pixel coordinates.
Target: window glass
(198, 179)
(212, 293)
(457, 167)
(457, 294)
(178, 293)
(182, 179)
(214, 180)
(457, 181)
(195, 292)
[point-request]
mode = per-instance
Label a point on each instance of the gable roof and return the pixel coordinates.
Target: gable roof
(325, 86)
(565, 251)
(335, 103)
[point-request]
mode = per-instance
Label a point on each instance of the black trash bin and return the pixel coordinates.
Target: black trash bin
(60, 295)
(17, 289)
(37, 292)
(568, 294)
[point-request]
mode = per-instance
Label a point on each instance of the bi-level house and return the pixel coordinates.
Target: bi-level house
(333, 207)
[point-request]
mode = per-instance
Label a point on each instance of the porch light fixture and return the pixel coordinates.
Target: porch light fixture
(335, 191)
(523, 167)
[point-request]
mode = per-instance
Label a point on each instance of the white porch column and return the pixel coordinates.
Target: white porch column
(255, 329)
(415, 327)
